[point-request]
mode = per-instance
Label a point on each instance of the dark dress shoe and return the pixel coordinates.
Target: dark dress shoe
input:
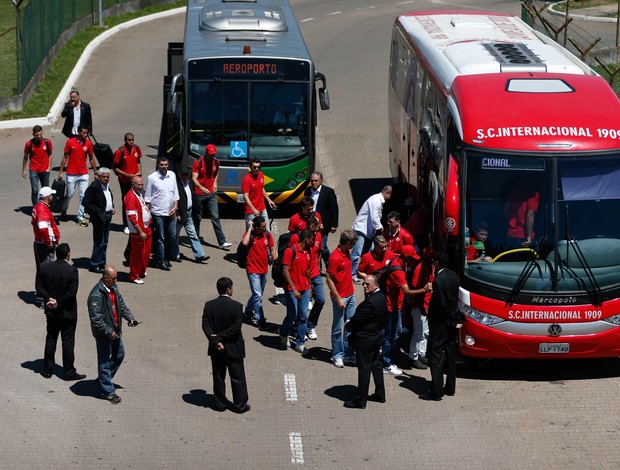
(96, 269)
(430, 397)
(200, 259)
(76, 376)
(447, 392)
(376, 398)
(418, 364)
(423, 360)
(114, 399)
(163, 267)
(47, 374)
(243, 409)
(353, 404)
(168, 263)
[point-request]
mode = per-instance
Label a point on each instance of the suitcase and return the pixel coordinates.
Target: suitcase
(59, 198)
(104, 154)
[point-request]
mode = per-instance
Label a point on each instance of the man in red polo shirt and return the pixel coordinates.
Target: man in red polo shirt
(375, 260)
(204, 175)
(299, 221)
(423, 274)
(342, 293)
(296, 271)
(126, 166)
(254, 194)
(39, 151)
(260, 244)
(396, 288)
(77, 149)
(396, 235)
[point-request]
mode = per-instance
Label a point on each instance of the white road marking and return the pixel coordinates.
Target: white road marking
(333, 13)
(297, 447)
(366, 8)
(290, 387)
(406, 3)
(305, 20)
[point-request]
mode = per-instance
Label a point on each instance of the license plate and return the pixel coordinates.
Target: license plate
(240, 198)
(553, 348)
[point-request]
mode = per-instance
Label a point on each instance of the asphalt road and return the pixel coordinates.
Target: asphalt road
(505, 414)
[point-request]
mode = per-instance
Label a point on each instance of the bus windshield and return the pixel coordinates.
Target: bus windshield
(543, 223)
(269, 119)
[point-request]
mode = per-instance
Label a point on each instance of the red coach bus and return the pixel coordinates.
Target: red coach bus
(511, 146)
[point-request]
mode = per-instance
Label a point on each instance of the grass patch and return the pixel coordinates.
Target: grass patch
(57, 74)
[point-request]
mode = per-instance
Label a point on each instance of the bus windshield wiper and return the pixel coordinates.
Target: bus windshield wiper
(526, 272)
(595, 293)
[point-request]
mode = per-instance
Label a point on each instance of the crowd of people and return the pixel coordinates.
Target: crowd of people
(404, 284)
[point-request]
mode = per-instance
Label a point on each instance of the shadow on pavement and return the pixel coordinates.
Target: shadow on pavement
(272, 342)
(26, 210)
(418, 385)
(363, 188)
(341, 392)
(28, 297)
(87, 388)
(198, 397)
(37, 365)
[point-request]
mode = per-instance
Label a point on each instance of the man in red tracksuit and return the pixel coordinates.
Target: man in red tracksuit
(46, 233)
(140, 235)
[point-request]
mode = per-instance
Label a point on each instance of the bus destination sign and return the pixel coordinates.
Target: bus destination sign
(248, 69)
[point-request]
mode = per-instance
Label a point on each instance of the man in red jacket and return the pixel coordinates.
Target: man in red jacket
(46, 233)
(140, 235)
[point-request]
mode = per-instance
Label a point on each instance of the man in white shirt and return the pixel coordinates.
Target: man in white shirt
(99, 204)
(162, 197)
(367, 224)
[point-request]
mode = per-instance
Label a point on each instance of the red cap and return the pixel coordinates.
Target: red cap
(210, 150)
(409, 251)
(429, 252)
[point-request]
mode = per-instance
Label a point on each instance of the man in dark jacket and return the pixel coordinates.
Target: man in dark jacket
(221, 323)
(106, 309)
(76, 113)
(57, 284)
(366, 329)
(326, 204)
(99, 204)
(443, 322)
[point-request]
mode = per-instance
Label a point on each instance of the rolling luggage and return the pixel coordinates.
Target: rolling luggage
(104, 154)
(59, 198)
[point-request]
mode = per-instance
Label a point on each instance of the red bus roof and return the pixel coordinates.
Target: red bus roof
(576, 112)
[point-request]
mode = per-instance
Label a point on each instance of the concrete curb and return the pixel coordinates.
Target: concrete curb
(580, 17)
(77, 70)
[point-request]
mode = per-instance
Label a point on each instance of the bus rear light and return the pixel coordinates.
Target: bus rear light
(247, 50)
(469, 340)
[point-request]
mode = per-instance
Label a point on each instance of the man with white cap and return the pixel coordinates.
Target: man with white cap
(46, 233)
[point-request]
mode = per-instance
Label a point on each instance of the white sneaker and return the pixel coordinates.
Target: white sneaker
(392, 370)
(225, 246)
(138, 281)
(338, 362)
(126, 231)
(312, 334)
(310, 305)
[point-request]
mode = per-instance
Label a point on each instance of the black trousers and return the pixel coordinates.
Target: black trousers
(221, 363)
(369, 362)
(442, 341)
(66, 328)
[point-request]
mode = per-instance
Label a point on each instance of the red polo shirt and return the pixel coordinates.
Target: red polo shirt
(339, 268)
(315, 251)
(369, 263)
(76, 152)
(298, 268)
(258, 254)
(254, 187)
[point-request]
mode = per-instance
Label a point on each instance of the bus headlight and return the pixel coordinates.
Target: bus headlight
(615, 320)
(478, 316)
(292, 184)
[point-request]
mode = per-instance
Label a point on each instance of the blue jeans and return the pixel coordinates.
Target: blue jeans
(165, 238)
(324, 249)
(263, 214)
(296, 312)
(101, 234)
(390, 336)
(255, 302)
(81, 181)
(192, 235)
(210, 200)
(318, 295)
(362, 245)
(110, 354)
(36, 177)
(340, 345)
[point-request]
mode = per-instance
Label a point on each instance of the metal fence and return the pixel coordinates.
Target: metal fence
(593, 40)
(31, 29)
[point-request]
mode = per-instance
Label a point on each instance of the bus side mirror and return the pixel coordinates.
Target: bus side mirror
(324, 98)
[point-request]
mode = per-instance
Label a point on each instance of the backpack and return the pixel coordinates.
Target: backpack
(242, 253)
(277, 269)
(121, 150)
(382, 275)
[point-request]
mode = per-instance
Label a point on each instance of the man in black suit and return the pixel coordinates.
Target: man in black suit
(221, 323)
(326, 204)
(99, 204)
(57, 284)
(76, 113)
(443, 322)
(366, 329)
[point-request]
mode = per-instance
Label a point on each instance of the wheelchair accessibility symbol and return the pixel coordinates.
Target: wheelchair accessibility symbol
(239, 149)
